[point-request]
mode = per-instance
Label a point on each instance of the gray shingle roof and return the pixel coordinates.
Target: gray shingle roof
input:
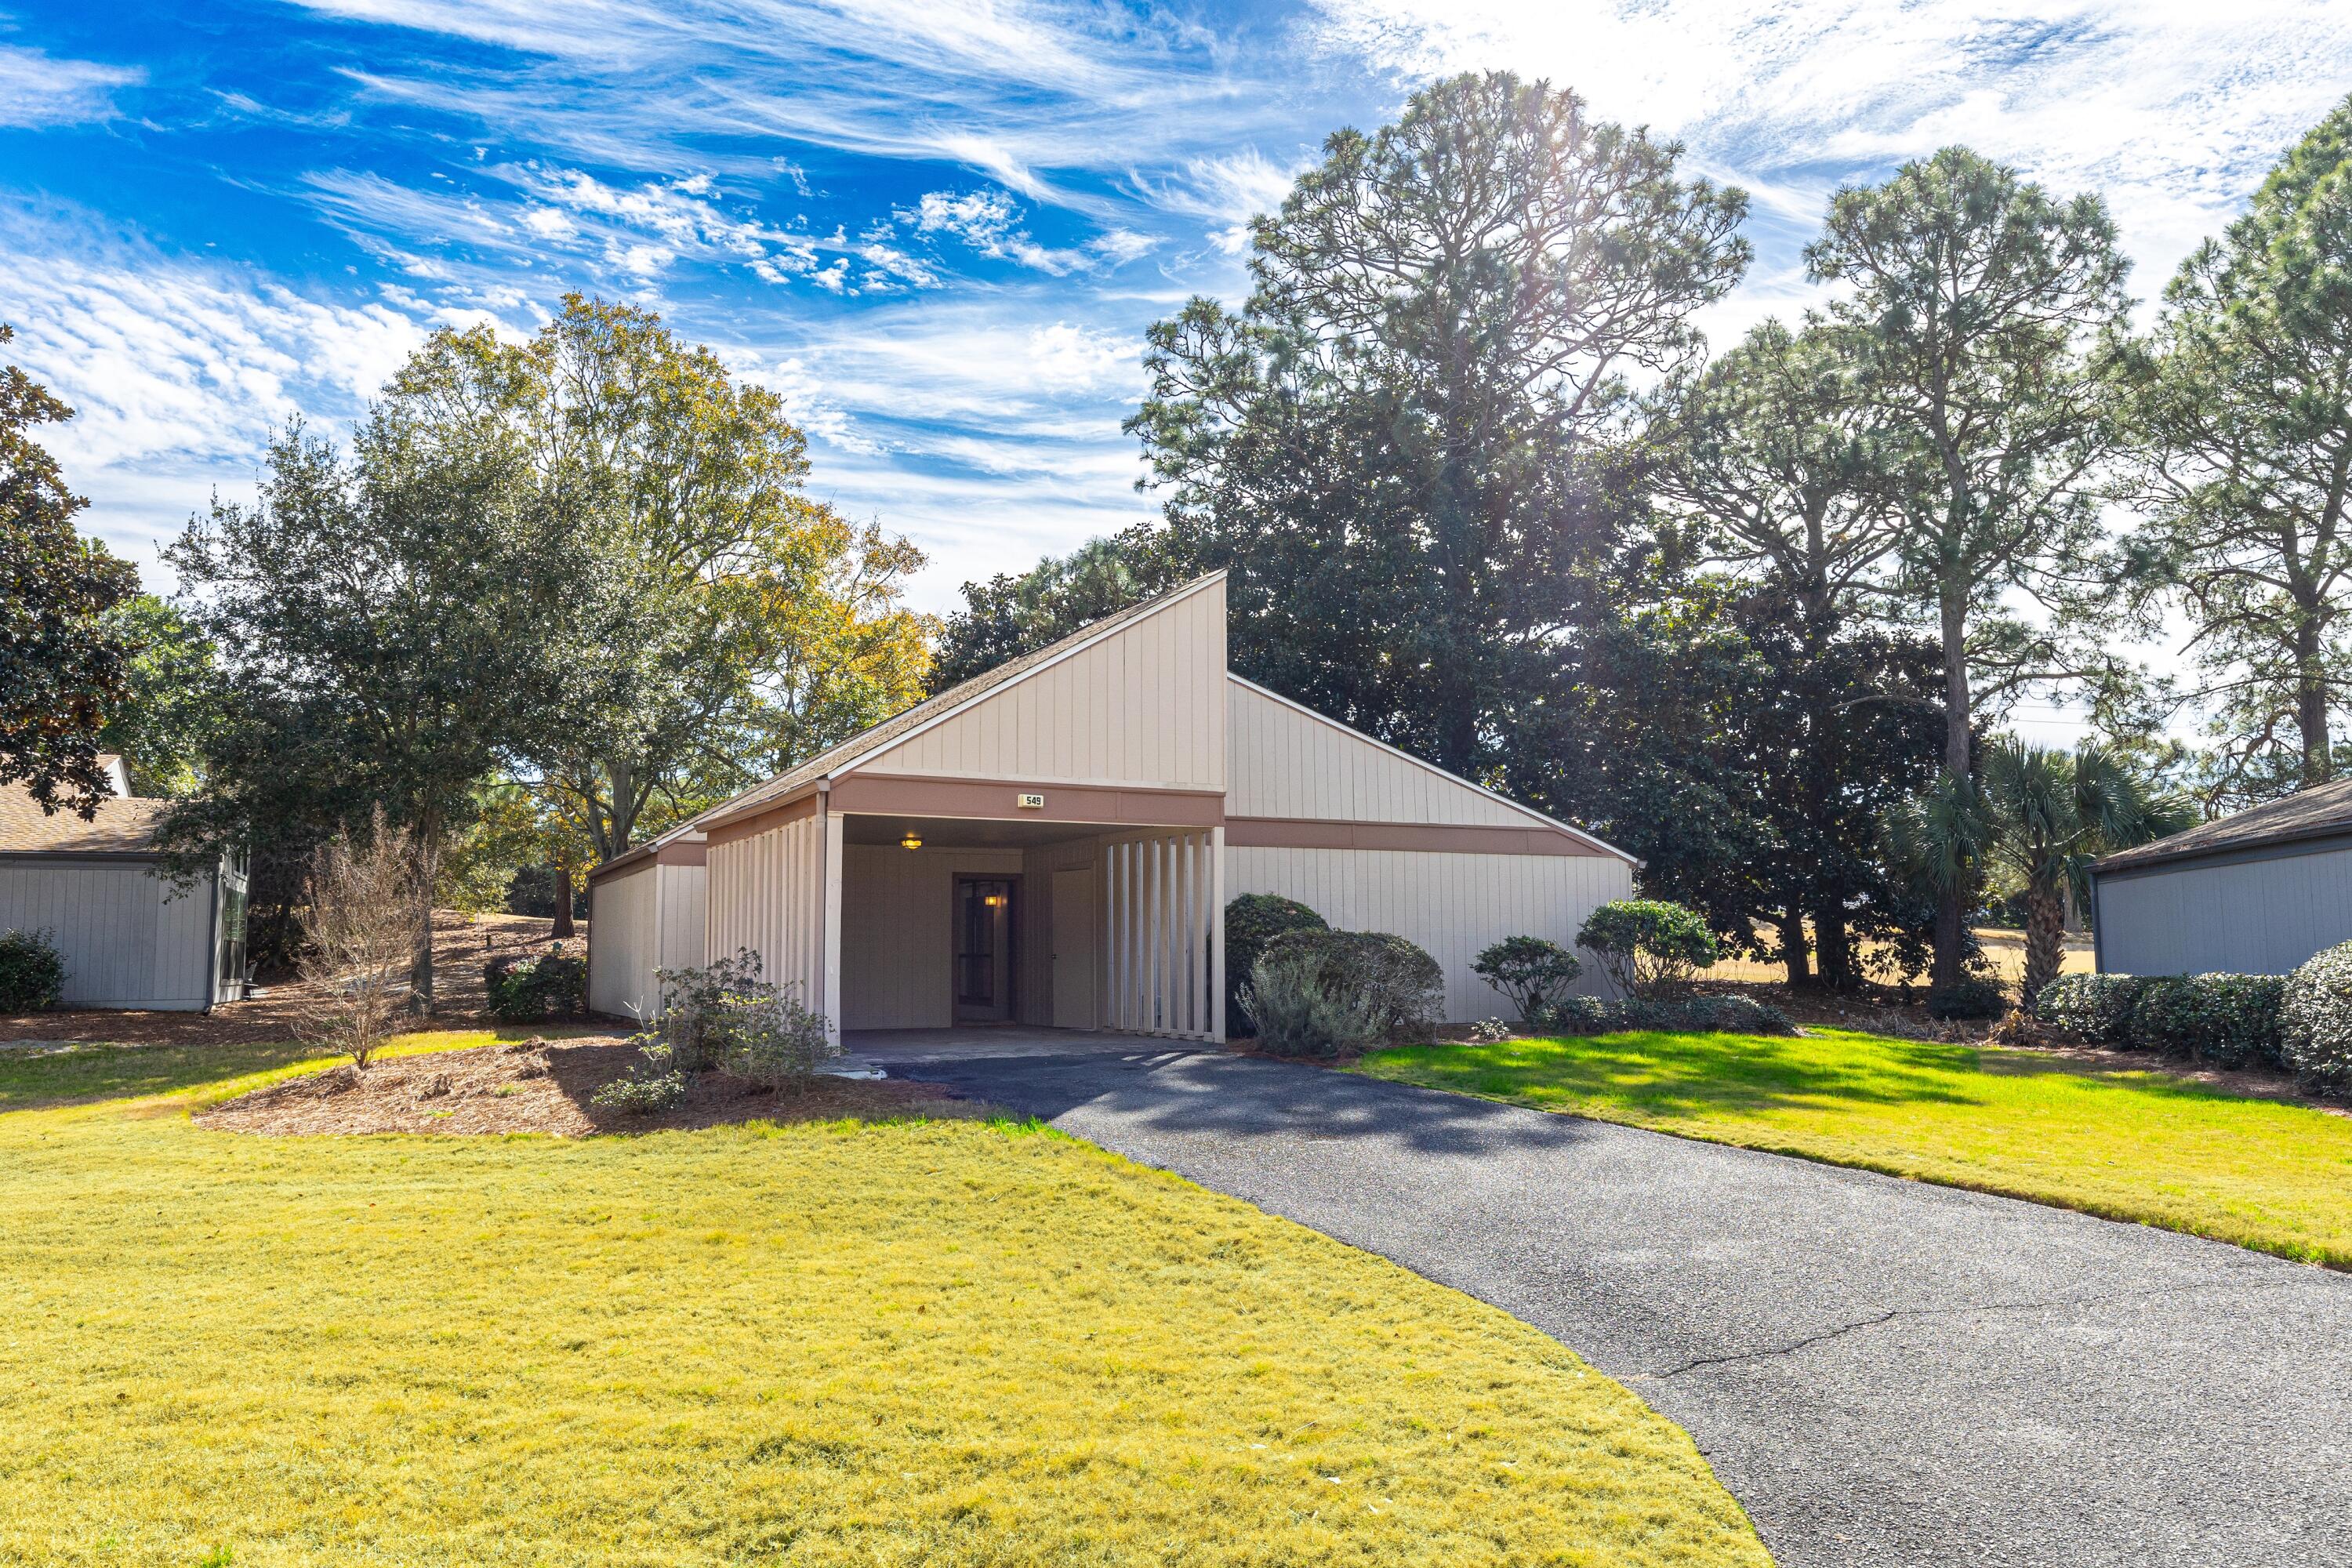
(2320, 811)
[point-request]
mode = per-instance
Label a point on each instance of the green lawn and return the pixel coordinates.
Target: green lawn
(922, 1343)
(2132, 1145)
(48, 1074)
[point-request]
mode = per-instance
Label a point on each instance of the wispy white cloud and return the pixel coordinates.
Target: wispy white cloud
(2172, 108)
(178, 371)
(37, 89)
(989, 223)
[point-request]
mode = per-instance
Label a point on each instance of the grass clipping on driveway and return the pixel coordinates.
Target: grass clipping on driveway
(2126, 1144)
(931, 1343)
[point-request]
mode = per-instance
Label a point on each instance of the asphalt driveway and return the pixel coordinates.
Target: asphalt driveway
(1883, 1372)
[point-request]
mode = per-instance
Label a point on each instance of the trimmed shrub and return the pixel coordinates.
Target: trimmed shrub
(1531, 971)
(1649, 947)
(529, 988)
(1321, 993)
(1970, 996)
(1726, 1014)
(1702, 1014)
(2315, 1021)
(2096, 1009)
(2226, 1019)
(2230, 1020)
(1251, 921)
(32, 975)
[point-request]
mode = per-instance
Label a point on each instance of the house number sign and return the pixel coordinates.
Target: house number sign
(1032, 803)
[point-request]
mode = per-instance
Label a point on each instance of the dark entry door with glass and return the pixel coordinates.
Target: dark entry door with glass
(984, 956)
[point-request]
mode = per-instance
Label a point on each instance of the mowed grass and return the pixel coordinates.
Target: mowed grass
(49, 1075)
(925, 1342)
(2127, 1144)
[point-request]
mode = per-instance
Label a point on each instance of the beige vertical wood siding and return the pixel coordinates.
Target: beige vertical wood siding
(1145, 706)
(2256, 917)
(126, 942)
(898, 931)
(1291, 764)
(625, 943)
(685, 911)
(767, 894)
(1452, 905)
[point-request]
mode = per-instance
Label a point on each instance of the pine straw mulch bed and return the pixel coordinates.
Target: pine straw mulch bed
(543, 1086)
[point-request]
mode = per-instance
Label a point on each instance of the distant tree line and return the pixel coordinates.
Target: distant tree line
(1759, 619)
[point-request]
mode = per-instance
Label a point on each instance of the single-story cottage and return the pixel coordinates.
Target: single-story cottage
(2255, 894)
(1054, 844)
(128, 936)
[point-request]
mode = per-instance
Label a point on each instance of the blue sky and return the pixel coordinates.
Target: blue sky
(939, 231)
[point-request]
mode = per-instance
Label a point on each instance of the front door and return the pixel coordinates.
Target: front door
(983, 957)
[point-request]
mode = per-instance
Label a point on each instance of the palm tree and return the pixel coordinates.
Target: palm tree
(2040, 816)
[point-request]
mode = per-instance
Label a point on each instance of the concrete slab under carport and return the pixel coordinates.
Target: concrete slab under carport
(883, 1047)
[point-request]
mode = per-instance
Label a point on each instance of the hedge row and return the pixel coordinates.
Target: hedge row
(2230, 1020)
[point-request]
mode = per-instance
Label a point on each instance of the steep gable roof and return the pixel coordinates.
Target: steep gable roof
(931, 711)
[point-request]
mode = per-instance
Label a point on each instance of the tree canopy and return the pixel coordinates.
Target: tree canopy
(1401, 445)
(718, 623)
(2244, 427)
(63, 663)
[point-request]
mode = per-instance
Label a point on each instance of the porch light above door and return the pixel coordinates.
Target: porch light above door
(911, 840)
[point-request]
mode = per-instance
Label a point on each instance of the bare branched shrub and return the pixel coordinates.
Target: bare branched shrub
(362, 937)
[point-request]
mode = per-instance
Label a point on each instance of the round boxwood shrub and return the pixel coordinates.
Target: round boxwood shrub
(2315, 1021)
(32, 975)
(1251, 921)
(1649, 947)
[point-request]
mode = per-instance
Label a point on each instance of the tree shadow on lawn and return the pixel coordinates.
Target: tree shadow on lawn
(34, 1076)
(1693, 1075)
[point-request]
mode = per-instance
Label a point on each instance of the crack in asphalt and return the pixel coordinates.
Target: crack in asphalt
(1772, 1353)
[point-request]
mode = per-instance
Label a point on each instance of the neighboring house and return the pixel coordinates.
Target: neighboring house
(128, 937)
(1053, 843)
(2256, 893)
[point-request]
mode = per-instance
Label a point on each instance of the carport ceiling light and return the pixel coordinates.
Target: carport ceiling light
(911, 840)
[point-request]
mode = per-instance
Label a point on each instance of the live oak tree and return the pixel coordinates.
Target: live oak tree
(169, 707)
(1400, 443)
(62, 662)
(721, 623)
(2244, 420)
(1985, 315)
(375, 619)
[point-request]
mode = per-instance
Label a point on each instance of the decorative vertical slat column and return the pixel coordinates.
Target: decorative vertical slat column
(1217, 934)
